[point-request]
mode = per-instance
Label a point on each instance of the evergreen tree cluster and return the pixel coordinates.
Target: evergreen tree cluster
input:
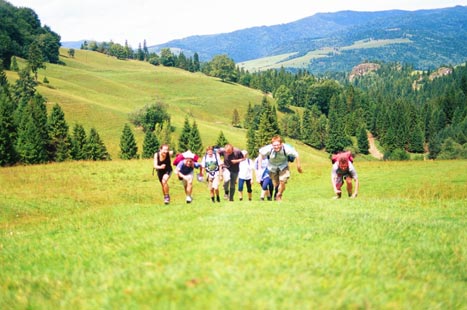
(29, 136)
(407, 110)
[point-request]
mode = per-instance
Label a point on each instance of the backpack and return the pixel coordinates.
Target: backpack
(180, 157)
(217, 164)
(338, 156)
(290, 157)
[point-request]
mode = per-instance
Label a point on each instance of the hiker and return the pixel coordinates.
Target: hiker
(262, 177)
(184, 171)
(211, 164)
(164, 169)
(232, 158)
(279, 155)
(343, 169)
(245, 174)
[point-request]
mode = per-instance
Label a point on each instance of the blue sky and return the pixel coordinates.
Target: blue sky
(161, 21)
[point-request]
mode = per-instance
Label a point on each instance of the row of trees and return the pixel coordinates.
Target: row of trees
(29, 136)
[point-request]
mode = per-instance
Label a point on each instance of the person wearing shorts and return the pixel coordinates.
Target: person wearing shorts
(163, 167)
(343, 170)
(211, 164)
(277, 154)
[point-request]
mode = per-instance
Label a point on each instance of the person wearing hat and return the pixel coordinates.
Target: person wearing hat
(245, 174)
(184, 171)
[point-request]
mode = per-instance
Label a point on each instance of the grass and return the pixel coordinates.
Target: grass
(95, 235)
(84, 235)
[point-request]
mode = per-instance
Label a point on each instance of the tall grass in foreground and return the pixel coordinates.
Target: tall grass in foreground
(96, 236)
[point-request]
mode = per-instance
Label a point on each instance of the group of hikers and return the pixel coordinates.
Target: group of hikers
(225, 165)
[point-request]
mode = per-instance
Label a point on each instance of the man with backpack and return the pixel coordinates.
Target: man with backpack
(211, 164)
(343, 170)
(279, 155)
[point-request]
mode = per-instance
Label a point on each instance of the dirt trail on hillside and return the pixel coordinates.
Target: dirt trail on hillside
(373, 150)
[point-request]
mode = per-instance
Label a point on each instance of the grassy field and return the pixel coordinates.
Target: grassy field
(85, 235)
(95, 235)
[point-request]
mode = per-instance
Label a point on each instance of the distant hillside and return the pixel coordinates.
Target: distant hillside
(339, 41)
(99, 91)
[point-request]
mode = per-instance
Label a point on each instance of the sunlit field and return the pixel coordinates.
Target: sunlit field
(86, 235)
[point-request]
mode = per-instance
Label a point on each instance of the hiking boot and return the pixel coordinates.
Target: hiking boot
(188, 199)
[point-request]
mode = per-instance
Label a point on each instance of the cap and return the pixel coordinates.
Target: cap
(188, 155)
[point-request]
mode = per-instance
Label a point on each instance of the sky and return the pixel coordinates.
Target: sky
(158, 22)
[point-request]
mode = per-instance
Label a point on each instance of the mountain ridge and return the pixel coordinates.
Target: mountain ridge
(436, 38)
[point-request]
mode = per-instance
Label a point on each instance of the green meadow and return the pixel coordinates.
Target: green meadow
(87, 235)
(96, 235)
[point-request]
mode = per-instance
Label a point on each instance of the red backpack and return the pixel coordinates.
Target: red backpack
(338, 156)
(180, 157)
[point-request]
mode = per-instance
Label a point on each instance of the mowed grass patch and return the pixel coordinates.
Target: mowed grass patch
(96, 235)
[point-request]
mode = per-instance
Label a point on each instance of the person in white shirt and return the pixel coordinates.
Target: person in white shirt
(211, 164)
(245, 175)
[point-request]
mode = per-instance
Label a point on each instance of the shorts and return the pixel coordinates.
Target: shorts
(213, 181)
(161, 173)
(190, 179)
(340, 180)
(279, 175)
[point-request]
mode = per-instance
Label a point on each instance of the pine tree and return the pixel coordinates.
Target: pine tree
(416, 144)
(7, 130)
(78, 143)
(196, 145)
(249, 117)
(185, 136)
(362, 140)
(59, 146)
(221, 140)
(306, 129)
(235, 118)
(128, 147)
(336, 140)
(95, 148)
(264, 134)
(150, 145)
(33, 138)
(251, 145)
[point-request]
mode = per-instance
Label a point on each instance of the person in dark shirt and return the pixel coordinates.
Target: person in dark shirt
(164, 170)
(232, 158)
